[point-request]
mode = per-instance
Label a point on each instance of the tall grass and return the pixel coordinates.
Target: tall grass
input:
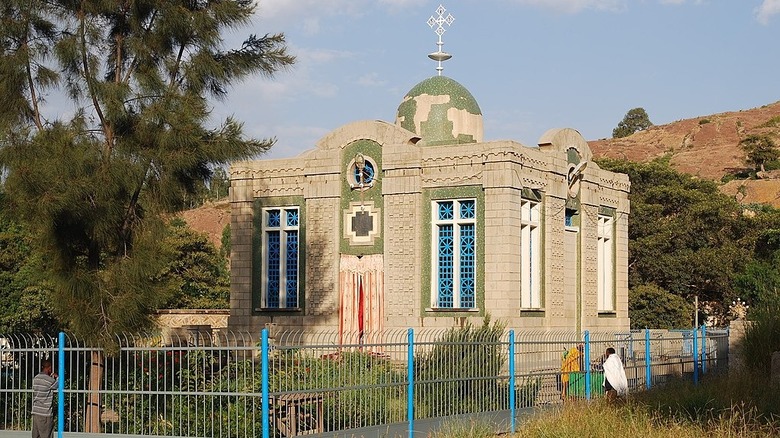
(465, 429)
(762, 337)
(741, 404)
(636, 419)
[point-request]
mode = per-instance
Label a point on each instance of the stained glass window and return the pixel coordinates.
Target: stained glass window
(454, 259)
(367, 173)
(280, 258)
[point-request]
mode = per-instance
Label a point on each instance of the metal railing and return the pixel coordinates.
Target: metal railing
(233, 385)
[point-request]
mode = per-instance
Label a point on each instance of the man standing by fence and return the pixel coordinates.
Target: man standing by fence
(44, 385)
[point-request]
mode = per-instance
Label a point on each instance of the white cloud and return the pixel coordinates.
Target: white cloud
(291, 139)
(319, 56)
(680, 2)
(309, 14)
(311, 26)
(300, 81)
(371, 80)
(301, 9)
(574, 6)
(767, 9)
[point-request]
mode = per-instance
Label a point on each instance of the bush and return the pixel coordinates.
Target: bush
(458, 375)
(773, 122)
(361, 388)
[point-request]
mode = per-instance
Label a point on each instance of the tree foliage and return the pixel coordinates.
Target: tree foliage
(196, 274)
(760, 149)
(94, 187)
(759, 282)
(649, 306)
(24, 293)
(685, 237)
(636, 119)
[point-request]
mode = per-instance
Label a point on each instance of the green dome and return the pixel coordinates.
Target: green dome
(441, 111)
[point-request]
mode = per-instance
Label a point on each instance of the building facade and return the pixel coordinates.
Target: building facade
(421, 223)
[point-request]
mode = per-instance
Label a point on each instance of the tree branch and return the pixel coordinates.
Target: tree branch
(31, 84)
(107, 131)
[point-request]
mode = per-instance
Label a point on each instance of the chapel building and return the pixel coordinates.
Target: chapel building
(421, 223)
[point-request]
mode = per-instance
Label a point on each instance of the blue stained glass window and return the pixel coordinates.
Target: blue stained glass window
(292, 269)
(292, 218)
(467, 256)
(368, 173)
(445, 211)
(274, 218)
(455, 258)
(274, 268)
(569, 217)
(281, 259)
(446, 266)
(467, 210)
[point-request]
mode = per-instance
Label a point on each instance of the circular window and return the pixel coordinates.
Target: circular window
(364, 174)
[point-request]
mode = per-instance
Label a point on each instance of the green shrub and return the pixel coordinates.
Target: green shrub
(772, 165)
(704, 121)
(773, 122)
(458, 375)
(526, 392)
(359, 389)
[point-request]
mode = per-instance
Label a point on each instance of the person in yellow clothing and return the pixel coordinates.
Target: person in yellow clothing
(570, 364)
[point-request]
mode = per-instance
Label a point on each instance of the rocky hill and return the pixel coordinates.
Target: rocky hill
(707, 147)
(210, 218)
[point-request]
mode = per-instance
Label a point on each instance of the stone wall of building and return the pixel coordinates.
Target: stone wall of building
(322, 264)
(402, 255)
(496, 173)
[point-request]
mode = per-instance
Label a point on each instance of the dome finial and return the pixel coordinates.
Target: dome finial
(439, 23)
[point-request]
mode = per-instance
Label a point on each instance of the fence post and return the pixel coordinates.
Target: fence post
(410, 389)
(264, 379)
(695, 355)
(512, 401)
(704, 349)
(648, 361)
(61, 385)
(587, 365)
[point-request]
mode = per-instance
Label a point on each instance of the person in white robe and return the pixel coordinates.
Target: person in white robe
(615, 382)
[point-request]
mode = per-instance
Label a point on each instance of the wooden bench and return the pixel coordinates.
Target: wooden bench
(298, 413)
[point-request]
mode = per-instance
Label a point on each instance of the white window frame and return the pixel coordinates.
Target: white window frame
(457, 222)
(606, 263)
(284, 231)
(530, 254)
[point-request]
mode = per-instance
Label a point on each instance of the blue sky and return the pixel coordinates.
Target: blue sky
(531, 64)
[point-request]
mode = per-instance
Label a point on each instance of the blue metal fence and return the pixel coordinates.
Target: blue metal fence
(229, 385)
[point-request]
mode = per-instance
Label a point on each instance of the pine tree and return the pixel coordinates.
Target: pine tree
(94, 187)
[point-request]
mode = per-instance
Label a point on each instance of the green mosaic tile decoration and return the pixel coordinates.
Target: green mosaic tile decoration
(437, 95)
